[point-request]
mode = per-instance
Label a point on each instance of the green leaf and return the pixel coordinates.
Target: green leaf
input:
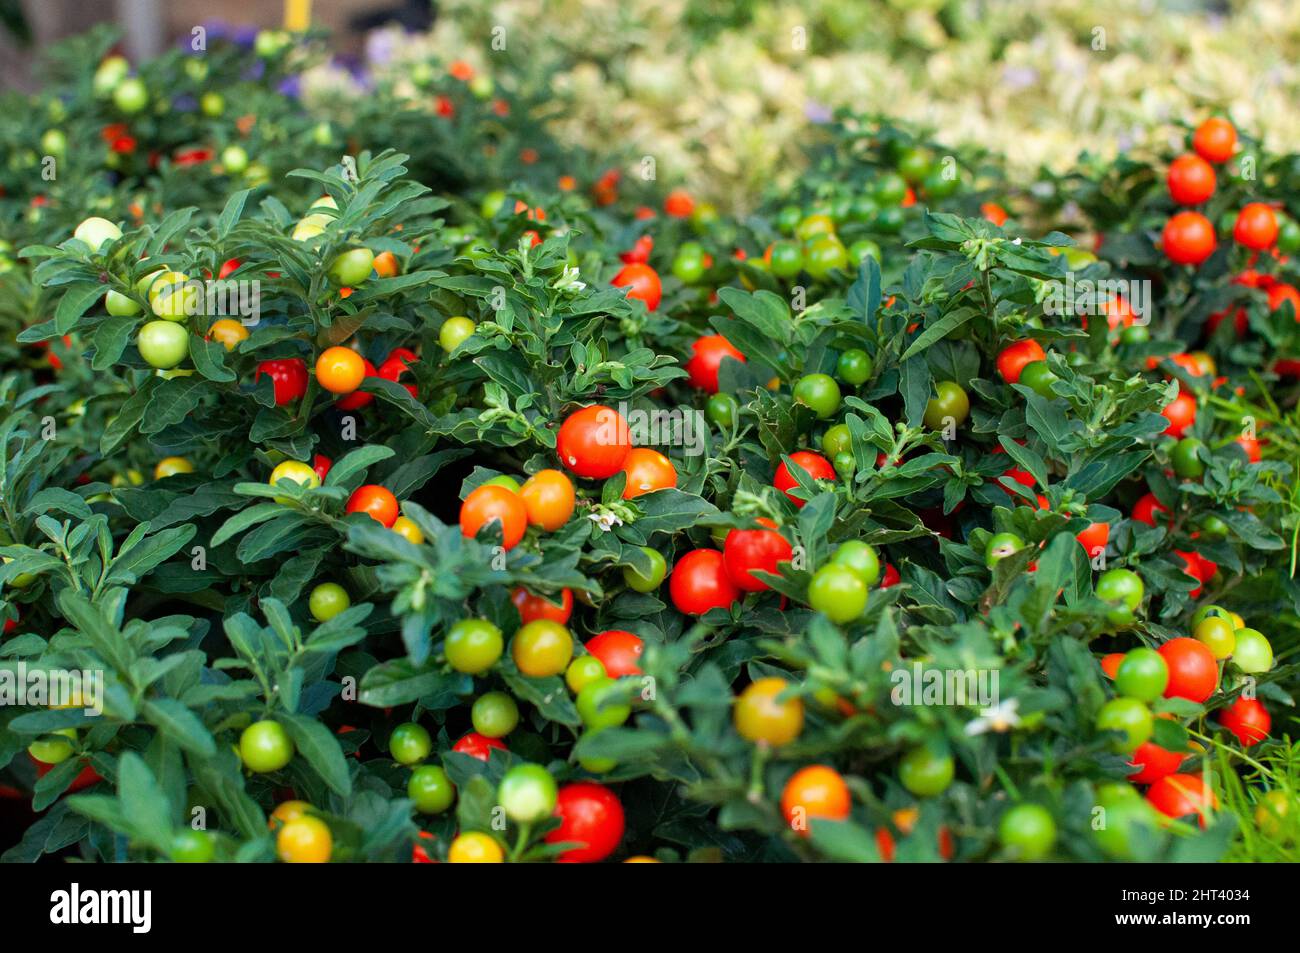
(317, 744)
(938, 330)
(144, 806)
(75, 302)
(230, 214)
(356, 462)
(181, 725)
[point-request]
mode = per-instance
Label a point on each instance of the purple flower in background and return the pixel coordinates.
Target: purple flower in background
(359, 71)
(255, 70)
(817, 112)
(216, 29)
(1019, 77)
(245, 36)
(291, 86)
(184, 103)
(379, 47)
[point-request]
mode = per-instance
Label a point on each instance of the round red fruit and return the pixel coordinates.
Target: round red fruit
(594, 442)
(707, 354)
(699, 582)
(590, 815)
(817, 466)
(748, 549)
(618, 651)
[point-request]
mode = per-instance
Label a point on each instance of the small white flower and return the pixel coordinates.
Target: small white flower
(1002, 717)
(568, 281)
(605, 520)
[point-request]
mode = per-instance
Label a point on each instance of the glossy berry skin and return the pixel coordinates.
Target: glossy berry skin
(748, 549)
(854, 367)
(162, 344)
(1252, 653)
(1190, 179)
(358, 398)
(1000, 546)
(1153, 763)
(817, 467)
(1248, 719)
(1256, 226)
(1148, 509)
(816, 791)
(926, 773)
(549, 499)
(478, 746)
(707, 355)
(494, 715)
(700, 582)
(327, 600)
(542, 648)
(340, 370)
(494, 504)
(472, 646)
(305, 840)
(265, 746)
(1185, 458)
(1182, 795)
(532, 607)
(619, 651)
(1131, 718)
(527, 793)
(1215, 140)
(289, 377)
(1013, 358)
(410, 743)
(837, 592)
(1094, 538)
(295, 472)
(1027, 832)
(1193, 672)
(594, 442)
(820, 393)
(591, 815)
(723, 410)
(647, 470)
(455, 332)
(1122, 588)
(406, 528)
(1217, 634)
(430, 789)
(474, 847)
(376, 502)
(191, 846)
(761, 716)
(1038, 377)
(352, 267)
(601, 704)
(1142, 675)
(1181, 414)
(950, 403)
(642, 283)
(398, 364)
(647, 583)
(583, 671)
(1188, 238)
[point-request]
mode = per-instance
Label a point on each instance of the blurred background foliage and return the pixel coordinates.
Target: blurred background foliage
(726, 94)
